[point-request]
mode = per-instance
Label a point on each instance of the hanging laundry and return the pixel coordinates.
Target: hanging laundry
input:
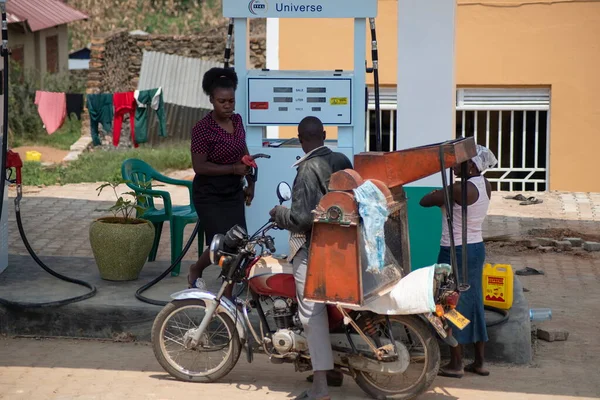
(52, 108)
(100, 108)
(152, 98)
(124, 104)
(74, 104)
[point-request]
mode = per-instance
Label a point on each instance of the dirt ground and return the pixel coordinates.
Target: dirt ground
(93, 370)
(49, 154)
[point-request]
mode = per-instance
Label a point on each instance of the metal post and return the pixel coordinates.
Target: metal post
(3, 211)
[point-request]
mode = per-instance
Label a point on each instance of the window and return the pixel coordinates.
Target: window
(52, 54)
(387, 113)
(512, 123)
(17, 54)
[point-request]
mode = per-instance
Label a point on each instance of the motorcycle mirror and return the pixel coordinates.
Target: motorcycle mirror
(284, 192)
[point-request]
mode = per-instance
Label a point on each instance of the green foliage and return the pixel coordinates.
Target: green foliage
(25, 124)
(105, 166)
(124, 209)
(64, 82)
(23, 119)
(62, 139)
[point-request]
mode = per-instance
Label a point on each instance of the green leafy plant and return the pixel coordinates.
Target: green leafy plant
(124, 208)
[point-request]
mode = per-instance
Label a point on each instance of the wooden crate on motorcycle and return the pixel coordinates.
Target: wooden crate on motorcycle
(337, 266)
(333, 273)
(397, 168)
(337, 270)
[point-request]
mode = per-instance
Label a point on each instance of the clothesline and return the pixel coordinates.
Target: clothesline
(106, 109)
(54, 108)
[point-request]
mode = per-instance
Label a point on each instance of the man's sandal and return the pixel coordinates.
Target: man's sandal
(307, 396)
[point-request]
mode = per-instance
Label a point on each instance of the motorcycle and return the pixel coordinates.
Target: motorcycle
(199, 336)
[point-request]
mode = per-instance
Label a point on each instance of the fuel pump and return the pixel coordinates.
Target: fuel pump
(11, 163)
(268, 98)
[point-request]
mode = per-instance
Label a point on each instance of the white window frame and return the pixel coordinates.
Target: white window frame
(510, 100)
(484, 99)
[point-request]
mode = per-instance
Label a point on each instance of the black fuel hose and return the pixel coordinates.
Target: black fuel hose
(228, 43)
(504, 313)
(138, 293)
(375, 59)
(57, 303)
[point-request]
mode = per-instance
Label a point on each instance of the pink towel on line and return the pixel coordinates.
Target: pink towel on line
(52, 108)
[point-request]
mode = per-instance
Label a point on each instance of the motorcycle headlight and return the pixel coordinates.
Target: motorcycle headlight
(215, 246)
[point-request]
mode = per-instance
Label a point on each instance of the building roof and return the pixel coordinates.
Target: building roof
(80, 54)
(180, 78)
(41, 14)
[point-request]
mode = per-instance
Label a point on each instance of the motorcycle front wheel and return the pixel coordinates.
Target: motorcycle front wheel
(424, 360)
(212, 359)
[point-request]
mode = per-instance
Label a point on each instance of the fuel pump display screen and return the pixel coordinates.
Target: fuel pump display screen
(274, 99)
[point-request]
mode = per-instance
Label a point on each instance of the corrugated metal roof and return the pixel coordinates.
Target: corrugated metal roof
(13, 18)
(42, 14)
(180, 78)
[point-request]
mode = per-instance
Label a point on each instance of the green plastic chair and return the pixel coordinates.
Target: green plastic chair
(139, 176)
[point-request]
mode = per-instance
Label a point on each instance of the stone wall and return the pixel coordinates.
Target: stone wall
(116, 58)
(116, 61)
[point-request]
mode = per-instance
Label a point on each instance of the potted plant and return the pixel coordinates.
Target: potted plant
(121, 243)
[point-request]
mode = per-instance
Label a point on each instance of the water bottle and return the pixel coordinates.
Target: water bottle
(540, 314)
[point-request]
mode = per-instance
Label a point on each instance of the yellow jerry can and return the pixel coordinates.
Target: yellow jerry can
(498, 286)
(33, 156)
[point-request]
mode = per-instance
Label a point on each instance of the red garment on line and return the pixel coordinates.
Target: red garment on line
(124, 103)
(52, 108)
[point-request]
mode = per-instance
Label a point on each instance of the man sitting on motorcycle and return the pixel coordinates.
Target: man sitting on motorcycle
(312, 180)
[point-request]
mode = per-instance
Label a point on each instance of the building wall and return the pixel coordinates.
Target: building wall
(513, 43)
(17, 38)
(34, 47)
(63, 47)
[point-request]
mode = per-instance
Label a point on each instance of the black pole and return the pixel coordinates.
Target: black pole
(375, 57)
(449, 214)
(464, 286)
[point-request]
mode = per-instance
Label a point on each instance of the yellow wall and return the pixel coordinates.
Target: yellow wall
(555, 45)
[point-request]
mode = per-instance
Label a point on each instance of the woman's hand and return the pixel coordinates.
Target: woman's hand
(241, 169)
(249, 194)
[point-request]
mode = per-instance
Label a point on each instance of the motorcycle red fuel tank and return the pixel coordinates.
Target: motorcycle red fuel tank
(275, 277)
(272, 277)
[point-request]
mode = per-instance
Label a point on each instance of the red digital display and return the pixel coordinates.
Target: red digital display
(259, 105)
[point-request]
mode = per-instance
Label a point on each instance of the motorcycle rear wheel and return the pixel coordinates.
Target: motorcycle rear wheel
(427, 354)
(161, 338)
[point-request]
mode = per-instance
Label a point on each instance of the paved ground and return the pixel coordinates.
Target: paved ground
(70, 209)
(57, 221)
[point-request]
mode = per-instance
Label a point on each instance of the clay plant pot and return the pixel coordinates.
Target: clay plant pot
(121, 249)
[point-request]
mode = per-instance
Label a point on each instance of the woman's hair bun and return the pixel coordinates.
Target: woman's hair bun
(224, 78)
